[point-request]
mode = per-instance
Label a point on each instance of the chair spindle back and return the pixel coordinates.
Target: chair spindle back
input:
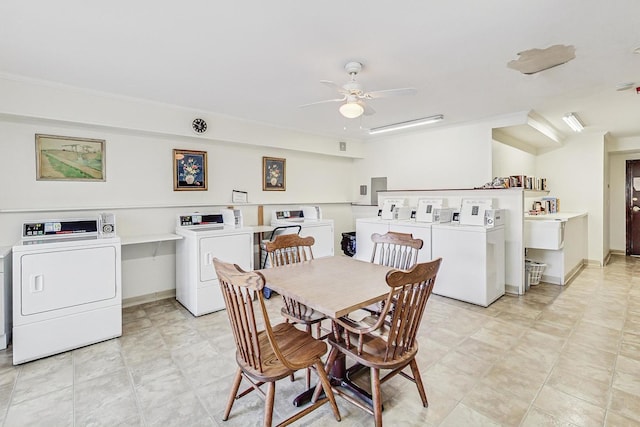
(239, 289)
(411, 291)
(397, 250)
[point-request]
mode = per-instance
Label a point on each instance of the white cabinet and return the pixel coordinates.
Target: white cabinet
(561, 245)
(197, 287)
(5, 297)
(473, 267)
(544, 234)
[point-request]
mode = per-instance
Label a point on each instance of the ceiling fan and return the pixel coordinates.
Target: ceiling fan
(353, 96)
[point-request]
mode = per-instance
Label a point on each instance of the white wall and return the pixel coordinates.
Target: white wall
(140, 137)
(575, 174)
(508, 161)
(441, 158)
(139, 174)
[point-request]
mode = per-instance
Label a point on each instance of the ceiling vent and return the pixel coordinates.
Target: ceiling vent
(535, 60)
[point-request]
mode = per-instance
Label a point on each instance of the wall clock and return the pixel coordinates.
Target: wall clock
(199, 125)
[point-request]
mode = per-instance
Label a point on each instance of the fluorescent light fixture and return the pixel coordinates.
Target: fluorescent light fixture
(573, 121)
(407, 124)
(351, 110)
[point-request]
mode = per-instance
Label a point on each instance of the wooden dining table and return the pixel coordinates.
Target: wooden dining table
(334, 286)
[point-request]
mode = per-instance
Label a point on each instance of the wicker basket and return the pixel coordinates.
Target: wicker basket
(534, 270)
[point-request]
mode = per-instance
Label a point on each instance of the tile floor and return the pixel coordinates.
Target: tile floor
(557, 356)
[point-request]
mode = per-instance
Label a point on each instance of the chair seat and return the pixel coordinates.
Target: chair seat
(373, 351)
(297, 346)
(306, 316)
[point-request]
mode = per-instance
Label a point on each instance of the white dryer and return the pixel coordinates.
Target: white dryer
(67, 289)
(310, 219)
(205, 236)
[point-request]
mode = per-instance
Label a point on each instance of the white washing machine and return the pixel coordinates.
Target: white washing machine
(472, 268)
(310, 219)
(205, 236)
(67, 289)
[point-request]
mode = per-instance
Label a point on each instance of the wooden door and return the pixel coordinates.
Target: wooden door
(633, 207)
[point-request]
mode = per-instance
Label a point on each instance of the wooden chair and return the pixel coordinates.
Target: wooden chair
(393, 249)
(397, 250)
(290, 249)
(270, 354)
(390, 343)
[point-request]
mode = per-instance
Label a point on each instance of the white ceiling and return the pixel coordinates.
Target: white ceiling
(259, 60)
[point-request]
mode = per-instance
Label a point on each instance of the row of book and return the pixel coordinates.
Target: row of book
(548, 205)
(528, 182)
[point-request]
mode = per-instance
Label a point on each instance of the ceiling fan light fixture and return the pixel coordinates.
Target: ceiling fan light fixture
(407, 124)
(573, 121)
(351, 110)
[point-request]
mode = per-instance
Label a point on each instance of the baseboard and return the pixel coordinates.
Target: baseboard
(573, 273)
(554, 280)
(512, 289)
(143, 299)
(592, 263)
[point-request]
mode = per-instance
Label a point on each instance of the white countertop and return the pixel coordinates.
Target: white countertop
(561, 216)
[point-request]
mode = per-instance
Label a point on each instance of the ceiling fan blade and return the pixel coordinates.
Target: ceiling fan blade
(368, 111)
(325, 101)
(333, 86)
(390, 92)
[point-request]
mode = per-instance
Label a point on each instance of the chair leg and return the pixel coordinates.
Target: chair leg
(232, 396)
(326, 385)
(308, 378)
(377, 398)
(418, 380)
(268, 404)
(333, 354)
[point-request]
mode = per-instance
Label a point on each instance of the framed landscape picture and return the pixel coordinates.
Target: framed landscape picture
(66, 158)
(274, 176)
(189, 170)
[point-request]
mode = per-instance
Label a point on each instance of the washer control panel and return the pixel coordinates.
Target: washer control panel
(200, 219)
(57, 228)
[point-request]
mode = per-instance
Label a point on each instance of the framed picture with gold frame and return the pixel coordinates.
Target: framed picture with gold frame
(67, 158)
(274, 174)
(189, 170)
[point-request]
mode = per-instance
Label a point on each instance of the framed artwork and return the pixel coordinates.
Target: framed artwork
(66, 158)
(189, 170)
(274, 174)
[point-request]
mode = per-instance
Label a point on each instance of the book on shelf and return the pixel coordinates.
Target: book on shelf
(551, 204)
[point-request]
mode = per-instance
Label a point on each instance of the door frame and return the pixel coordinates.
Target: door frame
(628, 188)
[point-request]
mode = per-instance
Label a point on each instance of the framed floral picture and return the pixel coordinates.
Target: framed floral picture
(66, 158)
(189, 170)
(274, 174)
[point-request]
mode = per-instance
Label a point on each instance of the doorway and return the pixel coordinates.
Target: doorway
(632, 200)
